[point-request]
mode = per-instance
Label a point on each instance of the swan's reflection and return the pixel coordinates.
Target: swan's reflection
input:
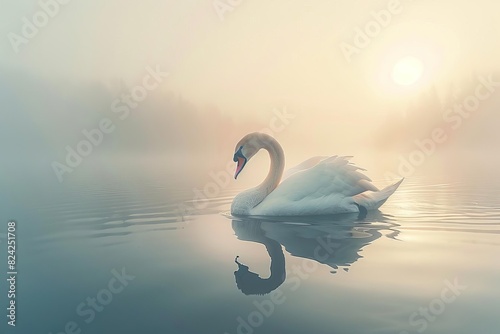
(333, 241)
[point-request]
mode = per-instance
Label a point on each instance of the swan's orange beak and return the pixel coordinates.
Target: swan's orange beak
(239, 166)
(241, 160)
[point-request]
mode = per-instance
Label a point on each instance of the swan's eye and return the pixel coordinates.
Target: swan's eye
(238, 154)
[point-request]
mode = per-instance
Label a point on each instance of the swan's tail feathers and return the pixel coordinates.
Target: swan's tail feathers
(372, 200)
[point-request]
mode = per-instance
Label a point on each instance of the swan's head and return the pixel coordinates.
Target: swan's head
(246, 148)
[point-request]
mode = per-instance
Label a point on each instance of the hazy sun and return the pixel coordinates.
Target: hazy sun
(407, 71)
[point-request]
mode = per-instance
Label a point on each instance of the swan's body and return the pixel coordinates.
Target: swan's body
(318, 186)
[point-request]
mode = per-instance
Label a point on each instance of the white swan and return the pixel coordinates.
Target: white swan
(318, 186)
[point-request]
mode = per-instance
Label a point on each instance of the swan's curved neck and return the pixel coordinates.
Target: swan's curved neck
(244, 202)
(277, 166)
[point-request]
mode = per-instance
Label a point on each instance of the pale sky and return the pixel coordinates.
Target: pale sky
(264, 54)
(263, 50)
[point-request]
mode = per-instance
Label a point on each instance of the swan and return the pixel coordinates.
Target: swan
(317, 186)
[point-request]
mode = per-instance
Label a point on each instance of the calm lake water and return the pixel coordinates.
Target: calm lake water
(105, 255)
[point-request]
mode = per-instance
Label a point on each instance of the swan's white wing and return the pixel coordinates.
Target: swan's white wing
(325, 188)
(309, 163)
